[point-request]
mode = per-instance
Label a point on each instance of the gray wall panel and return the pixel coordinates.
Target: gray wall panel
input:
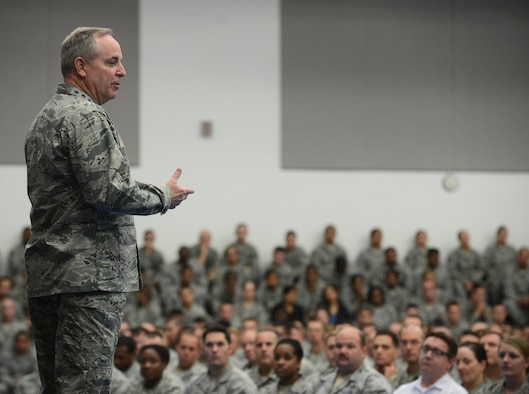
(408, 84)
(30, 39)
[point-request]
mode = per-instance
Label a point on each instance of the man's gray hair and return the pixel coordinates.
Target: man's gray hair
(80, 42)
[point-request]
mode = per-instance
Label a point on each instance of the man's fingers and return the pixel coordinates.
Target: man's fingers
(177, 174)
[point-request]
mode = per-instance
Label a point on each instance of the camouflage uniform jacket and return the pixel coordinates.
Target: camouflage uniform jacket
(304, 385)
(364, 380)
(83, 237)
(232, 381)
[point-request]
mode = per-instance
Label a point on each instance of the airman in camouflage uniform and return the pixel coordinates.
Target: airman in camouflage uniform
(221, 377)
(351, 375)
(82, 256)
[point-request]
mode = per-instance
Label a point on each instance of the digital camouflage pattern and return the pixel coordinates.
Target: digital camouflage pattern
(82, 236)
(86, 327)
(364, 380)
(232, 381)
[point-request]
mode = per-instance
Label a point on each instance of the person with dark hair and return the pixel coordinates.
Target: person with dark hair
(325, 254)
(385, 353)
(438, 354)
(17, 360)
(288, 354)
(288, 309)
(153, 360)
(284, 272)
(434, 267)
(295, 256)
(498, 259)
(477, 310)
(221, 377)
(125, 357)
(351, 375)
(471, 362)
(514, 359)
(82, 257)
(270, 292)
(334, 306)
(247, 253)
(310, 289)
(464, 267)
(415, 261)
(454, 320)
(517, 288)
(383, 312)
(371, 260)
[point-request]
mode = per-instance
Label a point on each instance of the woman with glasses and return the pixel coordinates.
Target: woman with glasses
(514, 362)
(471, 361)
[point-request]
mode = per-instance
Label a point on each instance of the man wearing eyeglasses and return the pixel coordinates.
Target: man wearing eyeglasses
(437, 356)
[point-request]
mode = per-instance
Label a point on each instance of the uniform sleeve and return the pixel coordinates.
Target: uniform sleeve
(102, 170)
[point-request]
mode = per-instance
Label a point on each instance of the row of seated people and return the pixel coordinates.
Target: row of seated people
(184, 285)
(176, 357)
(464, 265)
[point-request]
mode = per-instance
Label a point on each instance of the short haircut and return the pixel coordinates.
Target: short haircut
(80, 43)
(127, 342)
(216, 328)
(388, 333)
(476, 348)
(161, 350)
(432, 251)
(271, 330)
(298, 349)
(450, 342)
(186, 331)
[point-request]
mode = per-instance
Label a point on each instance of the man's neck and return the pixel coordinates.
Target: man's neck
(184, 368)
(217, 371)
(317, 348)
(265, 369)
(492, 372)
(427, 380)
(413, 367)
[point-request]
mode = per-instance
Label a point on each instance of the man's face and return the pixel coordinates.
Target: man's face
(491, 343)
(410, 343)
(428, 290)
(329, 350)
(523, 258)
(384, 352)
(123, 359)
(171, 330)
(435, 365)
(248, 345)
(241, 233)
(453, 314)
(330, 233)
(216, 350)
(291, 241)
(102, 75)
(22, 343)
(264, 347)
(349, 352)
(315, 332)
(187, 349)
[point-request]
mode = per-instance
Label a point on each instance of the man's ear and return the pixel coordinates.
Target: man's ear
(80, 66)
